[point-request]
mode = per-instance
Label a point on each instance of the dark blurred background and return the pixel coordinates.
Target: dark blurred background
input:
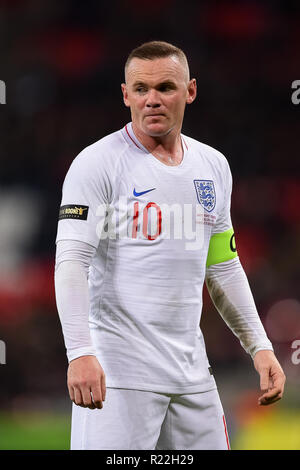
(62, 63)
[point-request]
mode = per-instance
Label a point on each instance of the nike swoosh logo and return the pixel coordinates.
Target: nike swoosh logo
(143, 192)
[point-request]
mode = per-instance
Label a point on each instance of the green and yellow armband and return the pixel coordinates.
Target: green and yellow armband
(221, 248)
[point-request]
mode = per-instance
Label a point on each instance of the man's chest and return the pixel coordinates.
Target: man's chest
(149, 203)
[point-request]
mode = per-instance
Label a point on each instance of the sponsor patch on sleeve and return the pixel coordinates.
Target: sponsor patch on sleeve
(73, 211)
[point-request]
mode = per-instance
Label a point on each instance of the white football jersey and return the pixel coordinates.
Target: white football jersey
(151, 225)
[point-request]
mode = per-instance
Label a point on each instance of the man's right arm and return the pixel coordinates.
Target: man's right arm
(86, 378)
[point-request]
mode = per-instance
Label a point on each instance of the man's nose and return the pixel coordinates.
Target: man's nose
(153, 99)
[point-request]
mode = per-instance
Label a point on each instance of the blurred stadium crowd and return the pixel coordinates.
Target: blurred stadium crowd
(62, 62)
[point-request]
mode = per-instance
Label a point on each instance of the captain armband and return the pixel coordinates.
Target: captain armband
(221, 248)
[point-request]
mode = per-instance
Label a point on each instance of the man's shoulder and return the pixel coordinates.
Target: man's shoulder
(206, 151)
(104, 153)
(106, 146)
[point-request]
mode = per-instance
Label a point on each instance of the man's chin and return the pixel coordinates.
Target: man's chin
(157, 130)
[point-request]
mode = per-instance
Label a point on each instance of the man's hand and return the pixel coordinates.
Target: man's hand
(86, 382)
(272, 378)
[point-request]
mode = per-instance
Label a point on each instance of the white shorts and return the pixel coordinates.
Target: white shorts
(134, 419)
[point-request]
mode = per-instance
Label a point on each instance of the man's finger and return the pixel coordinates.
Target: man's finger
(103, 387)
(78, 397)
(263, 401)
(271, 396)
(97, 396)
(272, 393)
(71, 392)
(264, 379)
(87, 399)
(279, 380)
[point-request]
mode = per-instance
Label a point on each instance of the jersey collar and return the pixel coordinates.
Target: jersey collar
(132, 137)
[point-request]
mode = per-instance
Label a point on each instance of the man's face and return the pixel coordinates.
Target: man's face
(157, 92)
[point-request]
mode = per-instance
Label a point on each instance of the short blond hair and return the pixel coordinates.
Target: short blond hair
(155, 50)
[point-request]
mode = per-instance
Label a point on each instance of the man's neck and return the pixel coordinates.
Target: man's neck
(168, 148)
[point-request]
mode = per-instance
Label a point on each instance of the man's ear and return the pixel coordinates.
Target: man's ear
(125, 94)
(192, 91)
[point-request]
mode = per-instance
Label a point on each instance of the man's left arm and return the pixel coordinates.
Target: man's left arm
(231, 294)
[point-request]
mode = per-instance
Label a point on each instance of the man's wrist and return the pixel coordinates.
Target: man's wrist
(79, 352)
(261, 348)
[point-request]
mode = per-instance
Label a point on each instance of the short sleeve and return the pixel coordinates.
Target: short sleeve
(85, 196)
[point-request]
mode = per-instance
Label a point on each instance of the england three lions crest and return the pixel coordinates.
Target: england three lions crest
(206, 195)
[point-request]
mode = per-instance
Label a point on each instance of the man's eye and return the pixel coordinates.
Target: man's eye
(141, 89)
(166, 87)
